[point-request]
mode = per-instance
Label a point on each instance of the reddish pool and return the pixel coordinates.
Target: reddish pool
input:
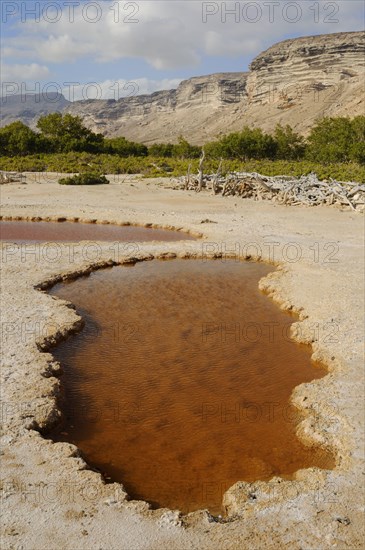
(179, 384)
(40, 232)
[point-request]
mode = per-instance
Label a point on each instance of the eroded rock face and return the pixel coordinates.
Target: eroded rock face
(162, 116)
(293, 68)
(303, 79)
(297, 81)
(318, 53)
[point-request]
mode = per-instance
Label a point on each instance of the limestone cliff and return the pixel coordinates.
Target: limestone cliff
(189, 110)
(301, 79)
(294, 82)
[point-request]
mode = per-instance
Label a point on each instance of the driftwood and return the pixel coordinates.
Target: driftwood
(10, 177)
(201, 172)
(305, 190)
(187, 181)
(216, 178)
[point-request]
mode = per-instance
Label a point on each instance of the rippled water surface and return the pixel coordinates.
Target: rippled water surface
(39, 232)
(178, 386)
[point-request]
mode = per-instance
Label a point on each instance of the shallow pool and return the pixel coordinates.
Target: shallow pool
(40, 232)
(179, 384)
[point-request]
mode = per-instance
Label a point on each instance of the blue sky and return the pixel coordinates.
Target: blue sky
(131, 47)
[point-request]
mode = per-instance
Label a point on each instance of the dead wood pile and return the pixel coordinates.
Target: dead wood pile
(305, 190)
(10, 177)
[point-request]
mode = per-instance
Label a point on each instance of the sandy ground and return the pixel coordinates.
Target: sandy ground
(49, 497)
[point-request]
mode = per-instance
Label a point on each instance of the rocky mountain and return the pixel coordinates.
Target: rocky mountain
(294, 82)
(300, 80)
(29, 107)
(189, 110)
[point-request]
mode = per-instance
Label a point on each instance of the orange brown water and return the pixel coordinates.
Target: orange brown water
(39, 232)
(178, 386)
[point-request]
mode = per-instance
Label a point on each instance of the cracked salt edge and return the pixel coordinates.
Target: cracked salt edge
(242, 496)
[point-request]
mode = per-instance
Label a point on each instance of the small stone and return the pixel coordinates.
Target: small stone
(110, 501)
(344, 521)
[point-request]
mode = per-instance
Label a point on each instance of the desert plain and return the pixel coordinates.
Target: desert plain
(51, 499)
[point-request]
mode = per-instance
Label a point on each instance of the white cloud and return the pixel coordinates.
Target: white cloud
(215, 43)
(23, 73)
(173, 34)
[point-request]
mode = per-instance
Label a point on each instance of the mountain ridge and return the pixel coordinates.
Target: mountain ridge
(294, 82)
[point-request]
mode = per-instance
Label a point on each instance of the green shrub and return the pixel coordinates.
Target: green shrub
(65, 132)
(248, 144)
(183, 150)
(154, 167)
(17, 139)
(289, 144)
(84, 179)
(75, 148)
(161, 150)
(337, 139)
(124, 148)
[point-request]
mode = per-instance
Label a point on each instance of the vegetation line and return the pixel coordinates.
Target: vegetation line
(335, 148)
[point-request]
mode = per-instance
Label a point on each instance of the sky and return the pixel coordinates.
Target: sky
(108, 49)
